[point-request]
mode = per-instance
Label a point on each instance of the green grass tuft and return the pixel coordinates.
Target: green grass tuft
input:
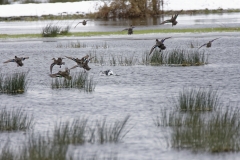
(15, 120)
(14, 83)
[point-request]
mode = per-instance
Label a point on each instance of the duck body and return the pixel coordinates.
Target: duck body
(130, 30)
(107, 72)
(159, 44)
(56, 62)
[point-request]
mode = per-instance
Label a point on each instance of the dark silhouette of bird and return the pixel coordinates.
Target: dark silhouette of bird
(159, 44)
(82, 63)
(209, 44)
(65, 74)
(57, 62)
(130, 30)
(84, 22)
(18, 60)
(172, 20)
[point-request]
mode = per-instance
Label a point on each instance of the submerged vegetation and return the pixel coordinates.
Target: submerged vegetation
(198, 122)
(15, 120)
(13, 83)
(55, 146)
(182, 57)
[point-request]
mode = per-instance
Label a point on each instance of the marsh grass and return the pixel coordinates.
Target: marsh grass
(213, 132)
(50, 30)
(65, 30)
(13, 83)
(199, 123)
(104, 46)
(71, 132)
(15, 120)
(72, 45)
(179, 57)
(41, 147)
(79, 80)
(111, 132)
(113, 60)
(198, 99)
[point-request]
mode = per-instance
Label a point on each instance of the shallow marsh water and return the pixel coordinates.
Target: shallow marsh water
(185, 21)
(140, 91)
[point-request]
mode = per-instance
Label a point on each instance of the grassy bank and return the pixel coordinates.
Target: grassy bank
(148, 31)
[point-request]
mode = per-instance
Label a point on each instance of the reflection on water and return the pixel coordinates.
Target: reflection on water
(184, 21)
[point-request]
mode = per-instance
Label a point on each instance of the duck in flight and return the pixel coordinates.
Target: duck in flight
(57, 62)
(159, 44)
(130, 30)
(18, 60)
(84, 22)
(82, 63)
(65, 74)
(172, 20)
(209, 44)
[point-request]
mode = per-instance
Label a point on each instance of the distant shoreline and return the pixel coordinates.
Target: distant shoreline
(93, 15)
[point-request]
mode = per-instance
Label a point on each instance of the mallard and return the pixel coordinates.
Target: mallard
(65, 74)
(172, 20)
(159, 44)
(57, 62)
(130, 30)
(83, 62)
(209, 44)
(84, 22)
(18, 60)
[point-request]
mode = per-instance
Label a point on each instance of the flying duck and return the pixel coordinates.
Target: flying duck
(82, 63)
(18, 60)
(159, 44)
(209, 44)
(57, 62)
(130, 30)
(65, 74)
(172, 20)
(84, 22)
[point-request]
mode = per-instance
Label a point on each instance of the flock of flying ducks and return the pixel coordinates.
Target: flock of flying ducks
(83, 62)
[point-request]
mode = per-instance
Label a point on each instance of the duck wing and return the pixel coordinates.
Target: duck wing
(152, 49)
(23, 58)
(214, 39)
(74, 59)
(10, 60)
(51, 67)
(176, 15)
(202, 45)
(54, 75)
(167, 21)
(77, 24)
(165, 39)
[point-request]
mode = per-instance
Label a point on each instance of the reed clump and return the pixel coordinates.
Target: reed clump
(79, 80)
(177, 57)
(198, 99)
(51, 30)
(198, 122)
(13, 83)
(15, 120)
